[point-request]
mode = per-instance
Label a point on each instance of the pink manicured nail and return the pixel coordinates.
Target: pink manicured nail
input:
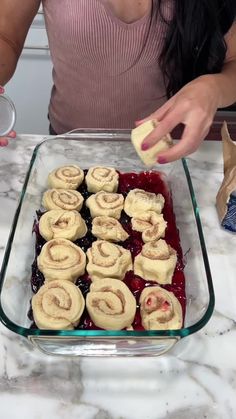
(3, 142)
(1, 90)
(137, 123)
(145, 146)
(12, 134)
(161, 160)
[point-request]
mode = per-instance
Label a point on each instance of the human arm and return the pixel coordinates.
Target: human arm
(15, 21)
(195, 106)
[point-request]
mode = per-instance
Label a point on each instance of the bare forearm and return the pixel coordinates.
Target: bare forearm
(14, 25)
(226, 84)
(223, 84)
(8, 62)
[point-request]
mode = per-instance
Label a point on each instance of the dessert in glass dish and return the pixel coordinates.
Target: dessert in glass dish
(152, 288)
(138, 205)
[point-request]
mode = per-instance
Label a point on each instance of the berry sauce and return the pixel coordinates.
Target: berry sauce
(151, 182)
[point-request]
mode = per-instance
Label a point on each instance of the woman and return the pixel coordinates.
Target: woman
(118, 61)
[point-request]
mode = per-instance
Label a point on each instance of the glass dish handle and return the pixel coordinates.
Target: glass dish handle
(84, 346)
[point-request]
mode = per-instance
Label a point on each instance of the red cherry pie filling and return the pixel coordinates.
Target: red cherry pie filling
(150, 182)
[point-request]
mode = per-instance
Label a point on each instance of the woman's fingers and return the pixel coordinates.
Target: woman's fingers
(3, 141)
(157, 115)
(12, 134)
(190, 141)
(168, 123)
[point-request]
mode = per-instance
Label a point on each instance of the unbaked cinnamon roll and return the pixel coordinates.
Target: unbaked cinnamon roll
(66, 177)
(61, 259)
(149, 157)
(150, 224)
(56, 224)
(108, 228)
(110, 304)
(105, 203)
(58, 305)
(102, 179)
(139, 201)
(108, 260)
(160, 309)
(62, 199)
(156, 262)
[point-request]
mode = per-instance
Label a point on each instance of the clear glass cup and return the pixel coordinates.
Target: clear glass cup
(7, 115)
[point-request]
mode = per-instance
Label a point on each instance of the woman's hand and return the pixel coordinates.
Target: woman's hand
(12, 134)
(194, 106)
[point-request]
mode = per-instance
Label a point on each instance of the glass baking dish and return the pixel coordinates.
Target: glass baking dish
(110, 148)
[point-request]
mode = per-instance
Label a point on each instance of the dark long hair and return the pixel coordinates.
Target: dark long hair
(195, 43)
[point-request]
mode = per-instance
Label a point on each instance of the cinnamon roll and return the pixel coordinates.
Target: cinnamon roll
(108, 260)
(108, 228)
(66, 177)
(160, 309)
(110, 304)
(105, 203)
(102, 179)
(149, 157)
(62, 199)
(58, 305)
(56, 224)
(150, 224)
(156, 262)
(61, 259)
(139, 201)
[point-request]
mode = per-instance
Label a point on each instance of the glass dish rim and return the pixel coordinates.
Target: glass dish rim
(175, 333)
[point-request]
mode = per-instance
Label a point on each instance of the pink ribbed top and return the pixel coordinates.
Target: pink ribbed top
(106, 72)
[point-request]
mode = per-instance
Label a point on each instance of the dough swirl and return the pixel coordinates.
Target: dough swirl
(108, 228)
(108, 260)
(101, 178)
(105, 203)
(58, 305)
(150, 224)
(66, 177)
(62, 199)
(110, 304)
(160, 309)
(156, 262)
(61, 259)
(139, 201)
(149, 157)
(56, 224)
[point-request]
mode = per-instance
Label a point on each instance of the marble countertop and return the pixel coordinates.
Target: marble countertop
(197, 379)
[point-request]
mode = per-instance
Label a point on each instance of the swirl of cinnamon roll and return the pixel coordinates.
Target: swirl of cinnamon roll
(66, 177)
(56, 224)
(102, 179)
(160, 309)
(108, 260)
(156, 262)
(62, 199)
(61, 259)
(108, 228)
(110, 304)
(105, 203)
(139, 201)
(58, 305)
(150, 224)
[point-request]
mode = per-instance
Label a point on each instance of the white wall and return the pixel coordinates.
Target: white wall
(31, 85)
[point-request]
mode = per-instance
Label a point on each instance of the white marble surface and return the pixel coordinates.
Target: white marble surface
(196, 380)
